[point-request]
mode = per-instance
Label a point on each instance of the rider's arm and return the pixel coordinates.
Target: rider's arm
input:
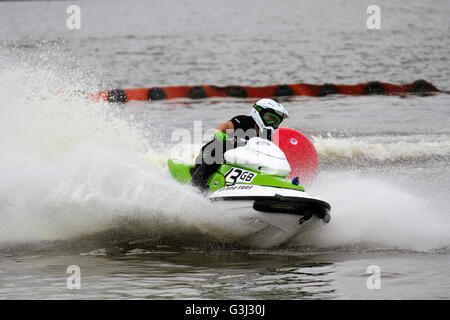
(221, 130)
(225, 126)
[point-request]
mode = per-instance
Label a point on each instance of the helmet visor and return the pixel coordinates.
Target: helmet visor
(271, 119)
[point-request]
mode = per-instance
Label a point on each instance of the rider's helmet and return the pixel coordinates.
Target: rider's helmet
(268, 114)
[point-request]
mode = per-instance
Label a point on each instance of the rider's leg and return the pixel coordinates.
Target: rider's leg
(207, 163)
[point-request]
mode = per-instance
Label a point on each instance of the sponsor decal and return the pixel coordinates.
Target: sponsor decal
(235, 187)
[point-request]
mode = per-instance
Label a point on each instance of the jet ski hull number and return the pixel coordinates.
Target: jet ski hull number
(235, 175)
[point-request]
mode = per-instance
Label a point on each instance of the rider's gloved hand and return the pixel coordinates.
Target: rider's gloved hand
(221, 136)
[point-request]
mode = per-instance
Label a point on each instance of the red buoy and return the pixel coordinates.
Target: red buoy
(300, 153)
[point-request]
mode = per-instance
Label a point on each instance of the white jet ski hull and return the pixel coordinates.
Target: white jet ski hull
(269, 216)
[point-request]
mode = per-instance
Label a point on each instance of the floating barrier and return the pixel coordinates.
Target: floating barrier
(312, 90)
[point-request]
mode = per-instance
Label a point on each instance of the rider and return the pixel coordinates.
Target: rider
(265, 117)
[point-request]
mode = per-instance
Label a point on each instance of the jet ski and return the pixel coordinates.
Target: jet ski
(252, 186)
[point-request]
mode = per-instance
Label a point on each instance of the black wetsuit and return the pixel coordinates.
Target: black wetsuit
(209, 160)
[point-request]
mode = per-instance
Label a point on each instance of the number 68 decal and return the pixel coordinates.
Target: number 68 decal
(235, 175)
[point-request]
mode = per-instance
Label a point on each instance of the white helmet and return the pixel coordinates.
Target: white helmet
(268, 114)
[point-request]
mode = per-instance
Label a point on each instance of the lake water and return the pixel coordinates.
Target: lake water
(86, 183)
